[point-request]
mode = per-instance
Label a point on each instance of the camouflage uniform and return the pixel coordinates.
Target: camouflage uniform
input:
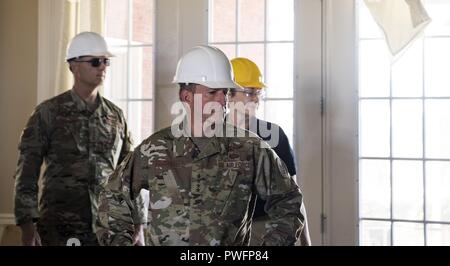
(81, 147)
(202, 192)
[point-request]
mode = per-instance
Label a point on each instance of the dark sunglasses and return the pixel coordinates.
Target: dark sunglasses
(96, 62)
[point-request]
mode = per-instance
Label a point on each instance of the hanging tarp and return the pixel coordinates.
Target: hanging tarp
(400, 20)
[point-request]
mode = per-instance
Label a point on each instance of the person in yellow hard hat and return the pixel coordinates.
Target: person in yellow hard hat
(243, 103)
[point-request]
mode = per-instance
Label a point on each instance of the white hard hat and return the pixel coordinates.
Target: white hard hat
(88, 44)
(207, 66)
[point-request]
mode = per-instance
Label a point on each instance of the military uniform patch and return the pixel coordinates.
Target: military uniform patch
(235, 165)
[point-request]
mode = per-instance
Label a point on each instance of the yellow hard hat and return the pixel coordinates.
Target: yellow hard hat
(246, 73)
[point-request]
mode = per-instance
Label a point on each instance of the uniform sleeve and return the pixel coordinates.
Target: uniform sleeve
(286, 153)
(140, 203)
(283, 200)
(32, 149)
(127, 146)
(119, 208)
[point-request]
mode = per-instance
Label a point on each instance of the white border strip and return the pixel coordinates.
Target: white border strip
(7, 219)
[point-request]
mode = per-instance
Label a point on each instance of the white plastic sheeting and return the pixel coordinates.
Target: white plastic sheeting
(401, 21)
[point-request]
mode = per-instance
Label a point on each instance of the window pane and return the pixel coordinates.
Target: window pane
(407, 186)
(374, 128)
(116, 13)
(375, 189)
(142, 21)
(251, 20)
(116, 75)
(408, 234)
(368, 28)
(140, 120)
(254, 52)
(439, 11)
(438, 235)
(280, 20)
(437, 128)
(375, 233)
(407, 72)
(374, 67)
(280, 113)
(141, 72)
(407, 128)
(228, 49)
(437, 65)
(437, 191)
(223, 21)
(280, 70)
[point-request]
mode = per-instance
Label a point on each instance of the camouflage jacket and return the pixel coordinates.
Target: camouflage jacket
(80, 148)
(201, 196)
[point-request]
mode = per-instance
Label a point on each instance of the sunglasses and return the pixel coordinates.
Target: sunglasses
(96, 62)
(251, 93)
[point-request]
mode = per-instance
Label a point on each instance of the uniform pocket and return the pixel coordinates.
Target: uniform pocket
(221, 190)
(108, 135)
(66, 135)
(167, 213)
(164, 194)
(234, 195)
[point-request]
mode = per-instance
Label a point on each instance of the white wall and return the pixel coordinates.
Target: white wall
(341, 124)
(308, 123)
(180, 25)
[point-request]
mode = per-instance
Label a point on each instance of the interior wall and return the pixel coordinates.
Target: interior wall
(308, 123)
(341, 125)
(180, 25)
(18, 85)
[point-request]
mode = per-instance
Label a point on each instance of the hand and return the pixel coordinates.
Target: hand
(138, 237)
(30, 236)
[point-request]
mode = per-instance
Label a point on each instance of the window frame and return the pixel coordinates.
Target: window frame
(391, 158)
(265, 42)
(129, 46)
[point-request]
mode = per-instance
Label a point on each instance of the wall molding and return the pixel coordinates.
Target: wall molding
(7, 219)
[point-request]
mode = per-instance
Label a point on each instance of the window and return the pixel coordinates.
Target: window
(404, 149)
(129, 84)
(263, 31)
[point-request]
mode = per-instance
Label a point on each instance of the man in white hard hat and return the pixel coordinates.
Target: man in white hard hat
(202, 186)
(81, 137)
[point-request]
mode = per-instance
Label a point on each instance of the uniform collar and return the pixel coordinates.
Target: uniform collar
(185, 143)
(211, 148)
(82, 106)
